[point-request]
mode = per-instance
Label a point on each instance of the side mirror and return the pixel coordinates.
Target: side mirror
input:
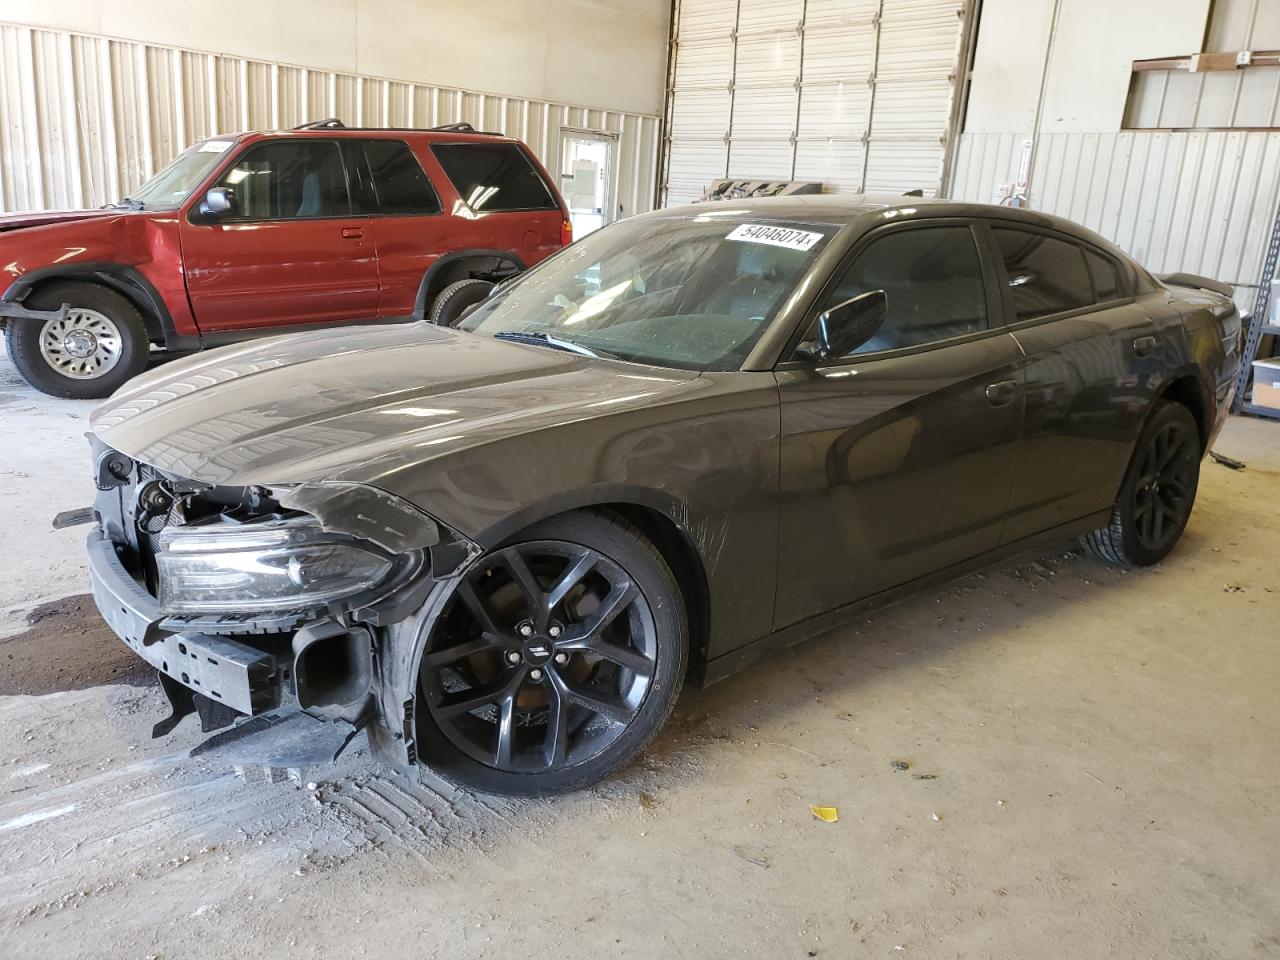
(847, 326)
(218, 203)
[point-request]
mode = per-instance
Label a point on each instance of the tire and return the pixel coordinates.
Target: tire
(100, 320)
(1158, 492)
(586, 715)
(456, 299)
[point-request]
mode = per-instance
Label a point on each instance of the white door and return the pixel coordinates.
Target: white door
(586, 179)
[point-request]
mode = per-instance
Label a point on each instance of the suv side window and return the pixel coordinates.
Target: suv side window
(1046, 275)
(494, 177)
(932, 279)
(289, 180)
(399, 185)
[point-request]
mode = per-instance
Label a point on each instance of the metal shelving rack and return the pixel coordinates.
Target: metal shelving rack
(1259, 328)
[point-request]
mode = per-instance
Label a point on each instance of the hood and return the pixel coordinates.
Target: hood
(20, 221)
(358, 403)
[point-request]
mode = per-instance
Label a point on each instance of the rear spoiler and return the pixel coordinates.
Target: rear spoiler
(1200, 283)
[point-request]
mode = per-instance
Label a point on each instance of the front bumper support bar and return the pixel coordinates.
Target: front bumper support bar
(228, 673)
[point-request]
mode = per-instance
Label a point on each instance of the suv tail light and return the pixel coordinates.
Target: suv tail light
(566, 233)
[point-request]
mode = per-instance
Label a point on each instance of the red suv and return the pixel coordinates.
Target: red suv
(259, 233)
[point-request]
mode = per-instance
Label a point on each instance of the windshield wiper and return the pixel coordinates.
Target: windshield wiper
(545, 339)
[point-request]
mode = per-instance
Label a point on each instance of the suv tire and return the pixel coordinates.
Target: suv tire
(456, 299)
(1158, 492)
(92, 352)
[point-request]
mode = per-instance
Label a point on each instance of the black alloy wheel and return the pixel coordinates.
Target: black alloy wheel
(1158, 493)
(555, 660)
(1165, 487)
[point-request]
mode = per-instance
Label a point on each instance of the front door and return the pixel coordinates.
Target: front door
(897, 458)
(290, 252)
(586, 179)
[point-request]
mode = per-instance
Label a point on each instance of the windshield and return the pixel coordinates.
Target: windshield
(172, 185)
(694, 293)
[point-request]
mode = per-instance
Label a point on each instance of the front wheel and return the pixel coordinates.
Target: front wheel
(1158, 492)
(558, 658)
(89, 353)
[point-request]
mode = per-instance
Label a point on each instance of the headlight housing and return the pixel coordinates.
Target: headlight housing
(269, 565)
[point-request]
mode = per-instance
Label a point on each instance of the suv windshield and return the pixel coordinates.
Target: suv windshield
(693, 292)
(172, 185)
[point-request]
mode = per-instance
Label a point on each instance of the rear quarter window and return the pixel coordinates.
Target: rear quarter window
(494, 177)
(1106, 284)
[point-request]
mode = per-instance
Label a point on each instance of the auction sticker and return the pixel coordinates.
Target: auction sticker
(775, 236)
(216, 146)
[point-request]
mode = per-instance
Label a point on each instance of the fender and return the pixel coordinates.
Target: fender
(401, 649)
(593, 496)
(123, 279)
(437, 269)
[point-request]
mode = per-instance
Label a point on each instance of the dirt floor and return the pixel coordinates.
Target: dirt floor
(1050, 760)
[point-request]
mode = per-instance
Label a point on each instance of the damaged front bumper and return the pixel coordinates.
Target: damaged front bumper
(217, 677)
(291, 687)
(234, 674)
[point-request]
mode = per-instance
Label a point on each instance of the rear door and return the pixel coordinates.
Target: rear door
(897, 459)
(409, 227)
(1092, 356)
(292, 252)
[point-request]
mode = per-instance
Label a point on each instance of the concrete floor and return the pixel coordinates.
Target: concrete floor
(1092, 768)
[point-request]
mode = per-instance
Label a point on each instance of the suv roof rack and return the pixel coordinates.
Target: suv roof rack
(333, 123)
(464, 127)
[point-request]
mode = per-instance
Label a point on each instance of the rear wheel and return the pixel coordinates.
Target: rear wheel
(90, 352)
(456, 299)
(1158, 492)
(558, 658)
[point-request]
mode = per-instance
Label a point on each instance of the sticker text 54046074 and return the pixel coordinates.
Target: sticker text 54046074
(787, 237)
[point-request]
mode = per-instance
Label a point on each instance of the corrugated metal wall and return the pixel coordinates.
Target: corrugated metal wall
(854, 93)
(85, 119)
(1199, 202)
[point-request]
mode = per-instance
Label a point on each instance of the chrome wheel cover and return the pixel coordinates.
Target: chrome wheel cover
(83, 345)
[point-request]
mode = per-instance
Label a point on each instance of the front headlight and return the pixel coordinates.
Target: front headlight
(269, 566)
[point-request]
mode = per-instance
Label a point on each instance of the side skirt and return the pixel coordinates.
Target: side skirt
(730, 663)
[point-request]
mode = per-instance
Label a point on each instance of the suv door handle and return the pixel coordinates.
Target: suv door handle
(1144, 346)
(1001, 392)
(352, 233)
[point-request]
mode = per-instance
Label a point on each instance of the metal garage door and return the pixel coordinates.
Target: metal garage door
(855, 93)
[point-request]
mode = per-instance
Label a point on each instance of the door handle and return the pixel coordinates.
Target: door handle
(1144, 346)
(352, 233)
(1001, 392)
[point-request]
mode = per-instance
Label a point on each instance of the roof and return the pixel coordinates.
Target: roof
(862, 208)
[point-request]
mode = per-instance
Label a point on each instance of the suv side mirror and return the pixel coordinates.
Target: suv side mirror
(847, 326)
(219, 202)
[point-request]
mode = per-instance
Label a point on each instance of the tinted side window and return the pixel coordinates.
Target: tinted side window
(1105, 285)
(399, 184)
(288, 180)
(494, 176)
(933, 282)
(1046, 275)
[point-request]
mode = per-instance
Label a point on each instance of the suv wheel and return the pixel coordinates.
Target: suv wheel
(456, 299)
(558, 658)
(1158, 492)
(89, 353)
